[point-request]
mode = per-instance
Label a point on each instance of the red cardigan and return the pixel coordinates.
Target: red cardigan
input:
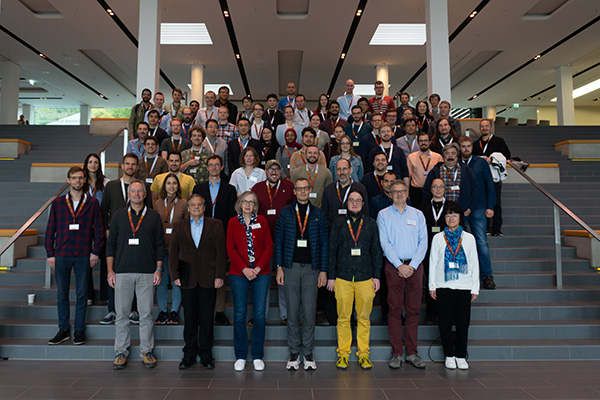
(237, 247)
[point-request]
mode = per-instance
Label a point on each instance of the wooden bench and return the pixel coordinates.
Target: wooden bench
(19, 248)
(541, 173)
(107, 126)
(57, 172)
(587, 246)
(579, 150)
(13, 148)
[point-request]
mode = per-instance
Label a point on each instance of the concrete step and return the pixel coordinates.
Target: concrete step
(529, 252)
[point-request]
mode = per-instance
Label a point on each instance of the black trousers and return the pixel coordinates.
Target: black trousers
(326, 303)
(416, 196)
(199, 308)
(454, 308)
(383, 293)
(496, 221)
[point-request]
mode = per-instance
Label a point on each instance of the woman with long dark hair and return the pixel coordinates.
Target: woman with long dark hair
(268, 145)
(323, 107)
(423, 116)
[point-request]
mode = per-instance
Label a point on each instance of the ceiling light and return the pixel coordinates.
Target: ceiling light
(196, 33)
(358, 13)
(110, 12)
(41, 55)
(237, 56)
(399, 35)
(473, 14)
(31, 82)
(214, 87)
(585, 89)
(226, 13)
(343, 56)
(537, 57)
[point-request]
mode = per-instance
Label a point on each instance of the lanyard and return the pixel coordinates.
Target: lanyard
(300, 114)
(357, 131)
(274, 194)
(333, 125)
(443, 144)
(410, 147)
(134, 230)
(288, 151)
(212, 149)
(300, 225)
(436, 216)
(211, 113)
(310, 181)
(377, 138)
(242, 147)
(377, 180)
(425, 167)
(378, 102)
(449, 177)
(391, 151)
(258, 133)
(71, 208)
(185, 131)
(272, 117)
(172, 210)
(454, 253)
(174, 110)
(143, 151)
(291, 103)
(355, 238)
(318, 137)
(483, 149)
(350, 101)
(123, 190)
(153, 164)
(178, 145)
(154, 131)
(337, 187)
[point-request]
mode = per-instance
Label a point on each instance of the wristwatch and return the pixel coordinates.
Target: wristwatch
(159, 269)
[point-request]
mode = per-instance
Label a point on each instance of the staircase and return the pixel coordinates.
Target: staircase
(526, 318)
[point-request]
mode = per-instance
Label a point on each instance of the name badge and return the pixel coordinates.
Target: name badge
(355, 252)
(342, 211)
(332, 136)
(389, 168)
(312, 195)
(255, 226)
(272, 211)
(251, 259)
(435, 229)
(73, 227)
(263, 162)
(355, 144)
(453, 265)
(149, 180)
(169, 231)
(288, 166)
(425, 173)
(134, 242)
(193, 171)
(411, 222)
(253, 179)
(196, 157)
(455, 187)
(302, 243)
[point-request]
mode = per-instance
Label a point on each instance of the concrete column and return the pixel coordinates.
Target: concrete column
(565, 105)
(197, 84)
(85, 114)
(148, 66)
(9, 97)
(28, 113)
(383, 76)
(438, 50)
(489, 112)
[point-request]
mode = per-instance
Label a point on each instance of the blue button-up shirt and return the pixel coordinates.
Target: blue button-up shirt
(134, 146)
(403, 235)
(214, 191)
(196, 228)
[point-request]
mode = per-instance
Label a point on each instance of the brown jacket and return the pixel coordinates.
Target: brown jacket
(201, 265)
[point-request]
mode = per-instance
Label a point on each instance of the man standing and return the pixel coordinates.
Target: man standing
(186, 182)
(227, 130)
(136, 146)
(336, 193)
(391, 117)
(380, 103)
(301, 255)
(301, 113)
(445, 134)
(395, 156)
(334, 119)
(208, 112)
(151, 164)
(434, 101)
(408, 142)
(223, 101)
(290, 99)
(403, 236)
(176, 143)
(444, 108)
(318, 176)
(372, 181)
(138, 112)
(298, 159)
(404, 104)
(187, 123)
(419, 164)
(194, 159)
(358, 128)
(369, 142)
(215, 145)
(197, 259)
(348, 100)
(134, 257)
(176, 106)
(482, 209)
(273, 116)
(487, 144)
(236, 146)
(194, 106)
(164, 118)
(384, 199)
(75, 222)
(157, 131)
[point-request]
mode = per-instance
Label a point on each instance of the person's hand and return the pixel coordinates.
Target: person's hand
(322, 279)
(157, 277)
(194, 162)
(488, 159)
(177, 282)
(433, 295)
(330, 283)
(93, 260)
(405, 271)
(51, 262)
(219, 283)
(489, 213)
(249, 273)
(474, 296)
(112, 279)
(376, 285)
(106, 234)
(279, 276)
(467, 212)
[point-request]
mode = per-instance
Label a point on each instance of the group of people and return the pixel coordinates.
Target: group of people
(341, 204)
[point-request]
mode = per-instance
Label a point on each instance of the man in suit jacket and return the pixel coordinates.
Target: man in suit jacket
(197, 259)
(219, 197)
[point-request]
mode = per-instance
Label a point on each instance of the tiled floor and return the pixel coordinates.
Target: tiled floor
(485, 380)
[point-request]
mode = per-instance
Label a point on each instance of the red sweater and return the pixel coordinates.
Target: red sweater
(285, 195)
(237, 247)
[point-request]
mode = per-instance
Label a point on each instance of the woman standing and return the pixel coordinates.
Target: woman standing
(454, 284)
(248, 174)
(424, 117)
(321, 137)
(288, 113)
(268, 146)
(322, 107)
(249, 247)
(347, 152)
(285, 152)
(171, 208)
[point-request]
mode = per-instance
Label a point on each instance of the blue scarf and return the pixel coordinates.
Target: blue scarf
(249, 240)
(459, 259)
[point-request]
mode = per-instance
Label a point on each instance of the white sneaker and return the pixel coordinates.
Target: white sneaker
(239, 365)
(259, 364)
(451, 362)
(293, 362)
(461, 363)
(309, 363)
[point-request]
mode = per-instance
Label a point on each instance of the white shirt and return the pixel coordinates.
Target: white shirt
(468, 281)
(241, 182)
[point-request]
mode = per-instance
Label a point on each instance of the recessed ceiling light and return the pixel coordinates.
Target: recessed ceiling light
(184, 34)
(585, 89)
(399, 35)
(31, 82)
(214, 87)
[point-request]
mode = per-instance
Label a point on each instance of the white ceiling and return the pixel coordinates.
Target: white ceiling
(261, 34)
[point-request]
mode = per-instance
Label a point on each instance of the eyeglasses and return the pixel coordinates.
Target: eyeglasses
(452, 215)
(395, 192)
(303, 188)
(258, 109)
(355, 201)
(437, 186)
(248, 202)
(274, 169)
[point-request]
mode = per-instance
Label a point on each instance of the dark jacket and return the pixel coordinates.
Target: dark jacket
(234, 150)
(495, 145)
(378, 203)
(226, 198)
(486, 194)
(468, 186)
(330, 203)
(318, 237)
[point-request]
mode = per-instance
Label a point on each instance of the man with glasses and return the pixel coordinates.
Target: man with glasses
(151, 164)
(164, 118)
(403, 236)
(301, 113)
(336, 193)
(138, 112)
(301, 256)
(380, 103)
(187, 123)
(419, 164)
(153, 119)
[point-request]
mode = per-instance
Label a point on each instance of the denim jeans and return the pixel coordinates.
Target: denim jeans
(62, 274)
(477, 223)
(239, 289)
(162, 291)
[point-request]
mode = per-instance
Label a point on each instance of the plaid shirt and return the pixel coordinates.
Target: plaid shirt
(228, 132)
(63, 242)
(447, 176)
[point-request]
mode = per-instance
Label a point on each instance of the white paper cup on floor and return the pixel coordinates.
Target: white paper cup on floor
(31, 298)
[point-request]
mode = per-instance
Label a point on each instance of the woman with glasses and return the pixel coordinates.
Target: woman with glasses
(248, 174)
(249, 247)
(347, 152)
(454, 284)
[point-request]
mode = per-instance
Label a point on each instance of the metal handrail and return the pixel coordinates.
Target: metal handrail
(557, 206)
(47, 204)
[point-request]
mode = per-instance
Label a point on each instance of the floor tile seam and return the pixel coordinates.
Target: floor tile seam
(95, 393)
(529, 393)
(456, 393)
(167, 394)
(74, 382)
(21, 395)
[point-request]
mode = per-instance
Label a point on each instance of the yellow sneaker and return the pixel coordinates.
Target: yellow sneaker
(120, 361)
(365, 363)
(149, 360)
(342, 363)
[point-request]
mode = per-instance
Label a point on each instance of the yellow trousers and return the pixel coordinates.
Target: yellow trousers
(346, 294)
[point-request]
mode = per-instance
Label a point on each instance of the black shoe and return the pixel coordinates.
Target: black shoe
(488, 283)
(61, 336)
(221, 319)
(173, 318)
(431, 320)
(497, 233)
(383, 321)
(322, 319)
(208, 362)
(79, 337)
(186, 363)
(162, 319)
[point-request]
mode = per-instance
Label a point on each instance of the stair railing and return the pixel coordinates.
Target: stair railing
(48, 203)
(557, 207)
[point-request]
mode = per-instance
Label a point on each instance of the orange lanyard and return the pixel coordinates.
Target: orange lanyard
(300, 225)
(378, 182)
(355, 238)
(334, 125)
(428, 162)
(274, 194)
(454, 253)
(377, 139)
(356, 133)
(134, 230)
(143, 152)
(302, 157)
(240, 143)
(196, 153)
(259, 134)
(211, 114)
(449, 177)
(310, 181)
(80, 207)
(288, 151)
(337, 188)
(178, 144)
